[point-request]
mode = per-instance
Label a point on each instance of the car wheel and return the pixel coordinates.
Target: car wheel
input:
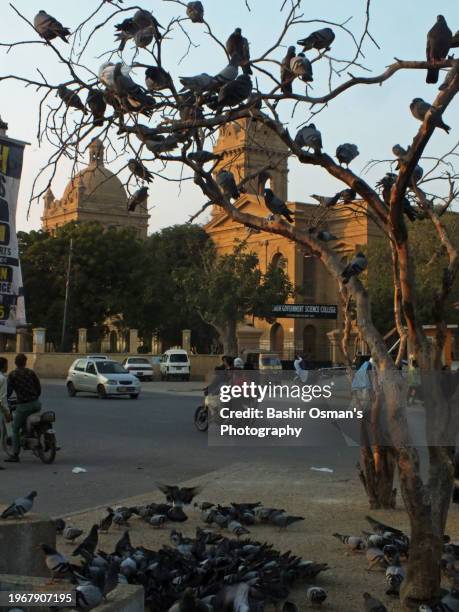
(101, 392)
(71, 389)
(134, 395)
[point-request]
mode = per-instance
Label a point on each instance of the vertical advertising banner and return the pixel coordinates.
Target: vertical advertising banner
(12, 307)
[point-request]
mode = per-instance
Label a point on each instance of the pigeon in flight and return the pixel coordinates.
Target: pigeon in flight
(326, 201)
(320, 39)
(20, 507)
(97, 105)
(138, 198)
(277, 206)
(49, 28)
(439, 39)
(195, 12)
(373, 605)
(419, 108)
(157, 79)
(347, 152)
(239, 45)
(179, 496)
(138, 169)
(354, 268)
(309, 137)
(301, 67)
(71, 98)
(227, 183)
(286, 75)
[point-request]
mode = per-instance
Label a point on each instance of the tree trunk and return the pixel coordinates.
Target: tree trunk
(228, 338)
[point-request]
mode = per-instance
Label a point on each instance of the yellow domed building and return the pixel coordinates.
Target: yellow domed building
(95, 194)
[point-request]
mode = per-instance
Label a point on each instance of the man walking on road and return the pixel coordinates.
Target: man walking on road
(26, 385)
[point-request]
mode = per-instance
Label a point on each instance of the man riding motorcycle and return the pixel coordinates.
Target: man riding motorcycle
(26, 385)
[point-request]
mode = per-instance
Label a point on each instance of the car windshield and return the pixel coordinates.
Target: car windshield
(178, 358)
(139, 360)
(270, 361)
(109, 367)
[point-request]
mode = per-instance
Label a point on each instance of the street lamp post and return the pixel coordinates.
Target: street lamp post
(66, 301)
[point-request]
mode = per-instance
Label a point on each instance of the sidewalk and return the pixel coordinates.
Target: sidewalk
(327, 502)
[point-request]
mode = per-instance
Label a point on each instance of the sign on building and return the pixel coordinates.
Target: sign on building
(305, 311)
(12, 308)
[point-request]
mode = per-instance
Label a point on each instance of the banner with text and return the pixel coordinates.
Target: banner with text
(12, 307)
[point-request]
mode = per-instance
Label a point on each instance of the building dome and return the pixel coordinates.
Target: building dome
(96, 184)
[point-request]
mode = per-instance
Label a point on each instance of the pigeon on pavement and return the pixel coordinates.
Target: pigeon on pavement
(320, 39)
(195, 12)
(56, 563)
(309, 137)
(179, 496)
(20, 507)
(373, 605)
(346, 152)
(419, 108)
(88, 546)
(72, 533)
(354, 268)
(49, 28)
(352, 542)
(239, 45)
(277, 206)
(137, 198)
(439, 39)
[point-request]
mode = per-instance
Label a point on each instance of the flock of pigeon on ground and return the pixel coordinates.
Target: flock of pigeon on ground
(214, 572)
(226, 89)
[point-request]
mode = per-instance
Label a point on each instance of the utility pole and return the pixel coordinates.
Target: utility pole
(67, 293)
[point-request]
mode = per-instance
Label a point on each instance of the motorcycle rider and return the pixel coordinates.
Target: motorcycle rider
(26, 385)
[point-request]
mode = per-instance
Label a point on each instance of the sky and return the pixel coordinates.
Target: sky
(373, 117)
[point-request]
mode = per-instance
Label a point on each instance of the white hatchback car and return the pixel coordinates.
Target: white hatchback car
(139, 366)
(103, 377)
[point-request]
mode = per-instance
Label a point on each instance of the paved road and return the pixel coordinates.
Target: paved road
(127, 445)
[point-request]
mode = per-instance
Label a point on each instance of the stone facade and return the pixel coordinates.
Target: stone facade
(247, 146)
(94, 194)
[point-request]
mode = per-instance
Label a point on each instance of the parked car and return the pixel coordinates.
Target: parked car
(97, 357)
(175, 363)
(263, 361)
(101, 376)
(139, 366)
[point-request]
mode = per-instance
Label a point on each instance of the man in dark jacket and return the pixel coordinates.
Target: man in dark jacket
(25, 384)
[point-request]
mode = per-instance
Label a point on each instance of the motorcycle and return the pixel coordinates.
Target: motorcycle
(37, 435)
(201, 415)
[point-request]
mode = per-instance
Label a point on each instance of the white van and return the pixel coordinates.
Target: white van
(175, 363)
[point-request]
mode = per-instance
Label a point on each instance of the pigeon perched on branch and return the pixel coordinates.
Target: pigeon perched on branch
(199, 83)
(138, 198)
(239, 45)
(320, 39)
(20, 507)
(277, 206)
(439, 39)
(227, 183)
(141, 20)
(419, 109)
(348, 196)
(358, 264)
(401, 154)
(286, 75)
(203, 157)
(49, 28)
(157, 79)
(97, 105)
(301, 67)
(346, 152)
(71, 98)
(309, 137)
(235, 92)
(229, 72)
(195, 12)
(139, 170)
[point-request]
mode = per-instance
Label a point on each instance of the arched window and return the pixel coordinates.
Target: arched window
(309, 341)
(309, 277)
(277, 339)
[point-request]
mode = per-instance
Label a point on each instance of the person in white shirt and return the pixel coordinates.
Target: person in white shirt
(301, 373)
